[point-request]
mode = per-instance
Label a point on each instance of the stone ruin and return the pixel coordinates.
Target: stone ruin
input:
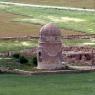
(52, 55)
(49, 53)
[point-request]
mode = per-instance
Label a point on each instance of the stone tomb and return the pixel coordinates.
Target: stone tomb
(49, 53)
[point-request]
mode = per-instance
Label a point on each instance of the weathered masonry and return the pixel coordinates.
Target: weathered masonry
(49, 51)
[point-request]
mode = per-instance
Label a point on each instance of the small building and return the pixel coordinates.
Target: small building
(49, 53)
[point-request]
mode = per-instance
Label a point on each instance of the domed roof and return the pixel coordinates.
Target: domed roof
(50, 29)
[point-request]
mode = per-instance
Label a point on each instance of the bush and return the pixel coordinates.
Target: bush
(23, 60)
(34, 60)
(67, 67)
(16, 55)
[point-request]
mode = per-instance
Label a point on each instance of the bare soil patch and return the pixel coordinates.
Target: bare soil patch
(10, 28)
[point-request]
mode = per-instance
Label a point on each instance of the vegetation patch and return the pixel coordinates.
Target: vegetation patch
(3, 6)
(77, 42)
(66, 19)
(4, 0)
(58, 84)
(17, 45)
(21, 45)
(22, 63)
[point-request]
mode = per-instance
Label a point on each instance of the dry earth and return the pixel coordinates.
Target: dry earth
(10, 28)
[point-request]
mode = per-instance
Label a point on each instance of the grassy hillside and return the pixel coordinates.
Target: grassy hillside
(21, 21)
(73, 20)
(69, 84)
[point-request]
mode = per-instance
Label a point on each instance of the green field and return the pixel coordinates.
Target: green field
(78, 42)
(18, 17)
(26, 20)
(20, 45)
(73, 20)
(17, 45)
(66, 84)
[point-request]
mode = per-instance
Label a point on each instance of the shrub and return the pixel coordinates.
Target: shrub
(34, 60)
(23, 60)
(16, 55)
(67, 67)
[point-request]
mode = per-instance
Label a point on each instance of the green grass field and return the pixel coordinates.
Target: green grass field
(17, 45)
(66, 84)
(66, 19)
(78, 42)
(20, 45)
